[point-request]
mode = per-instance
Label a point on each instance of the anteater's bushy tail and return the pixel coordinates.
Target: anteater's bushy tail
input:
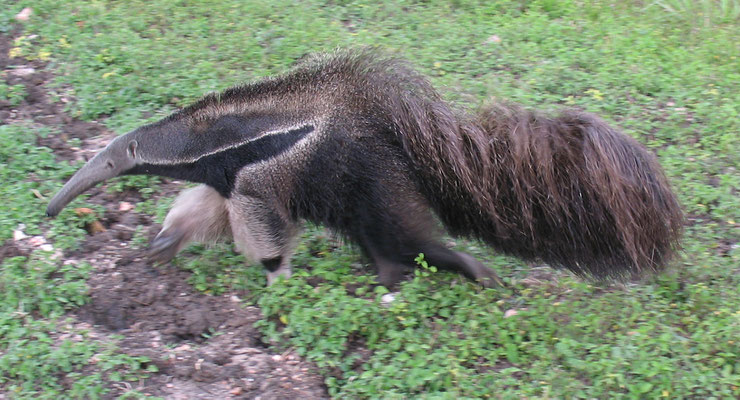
(576, 193)
(568, 190)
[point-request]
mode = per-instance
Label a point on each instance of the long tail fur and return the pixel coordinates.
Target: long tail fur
(568, 190)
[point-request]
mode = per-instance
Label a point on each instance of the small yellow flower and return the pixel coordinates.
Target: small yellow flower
(44, 55)
(108, 74)
(437, 64)
(595, 93)
(63, 42)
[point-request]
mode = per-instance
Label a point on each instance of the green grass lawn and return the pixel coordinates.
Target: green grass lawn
(667, 72)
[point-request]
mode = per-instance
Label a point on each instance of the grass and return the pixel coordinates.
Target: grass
(43, 354)
(667, 72)
(13, 94)
(36, 361)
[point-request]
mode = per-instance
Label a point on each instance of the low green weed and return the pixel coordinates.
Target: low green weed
(13, 94)
(35, 361)
(36, 290)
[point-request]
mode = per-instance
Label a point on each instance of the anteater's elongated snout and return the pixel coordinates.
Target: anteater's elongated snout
(117, 158)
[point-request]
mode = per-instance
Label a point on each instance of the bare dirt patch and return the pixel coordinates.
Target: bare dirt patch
(204, 347)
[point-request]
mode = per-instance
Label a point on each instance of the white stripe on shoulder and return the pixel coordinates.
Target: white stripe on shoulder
(274, 132)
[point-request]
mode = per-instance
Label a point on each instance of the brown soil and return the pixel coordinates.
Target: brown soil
(205, 347)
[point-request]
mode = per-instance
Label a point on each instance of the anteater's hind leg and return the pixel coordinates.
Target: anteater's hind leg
(199, 214)
(263, 233)
(441, 257)
(392, 265)
(394, 236)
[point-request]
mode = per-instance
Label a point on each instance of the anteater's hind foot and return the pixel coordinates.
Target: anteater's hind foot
(199, 214)
(475, 270)
(444, 258)
(390, 273)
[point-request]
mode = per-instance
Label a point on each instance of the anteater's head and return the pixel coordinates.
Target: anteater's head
(210, 148)
(119, 157)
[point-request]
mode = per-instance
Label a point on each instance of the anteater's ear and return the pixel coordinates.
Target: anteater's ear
(132, 145)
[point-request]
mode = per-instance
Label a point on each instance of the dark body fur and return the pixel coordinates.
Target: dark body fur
(364, 145)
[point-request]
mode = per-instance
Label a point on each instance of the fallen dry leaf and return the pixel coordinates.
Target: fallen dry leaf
(37, 241)
(25, 71)
(38, 194)
(19, 235)
(24, 14)
(83, 211)
(95, 227)
(493, 39)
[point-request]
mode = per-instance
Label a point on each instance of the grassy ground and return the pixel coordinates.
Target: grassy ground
(667, 72)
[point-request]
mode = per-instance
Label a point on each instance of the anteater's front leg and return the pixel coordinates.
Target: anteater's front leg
(198, 215)
(264, 233)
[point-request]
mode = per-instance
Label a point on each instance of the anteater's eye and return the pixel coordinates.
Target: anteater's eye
(110, 164)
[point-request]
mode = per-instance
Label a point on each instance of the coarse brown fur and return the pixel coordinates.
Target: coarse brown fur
(369, 148)
(568, 190)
